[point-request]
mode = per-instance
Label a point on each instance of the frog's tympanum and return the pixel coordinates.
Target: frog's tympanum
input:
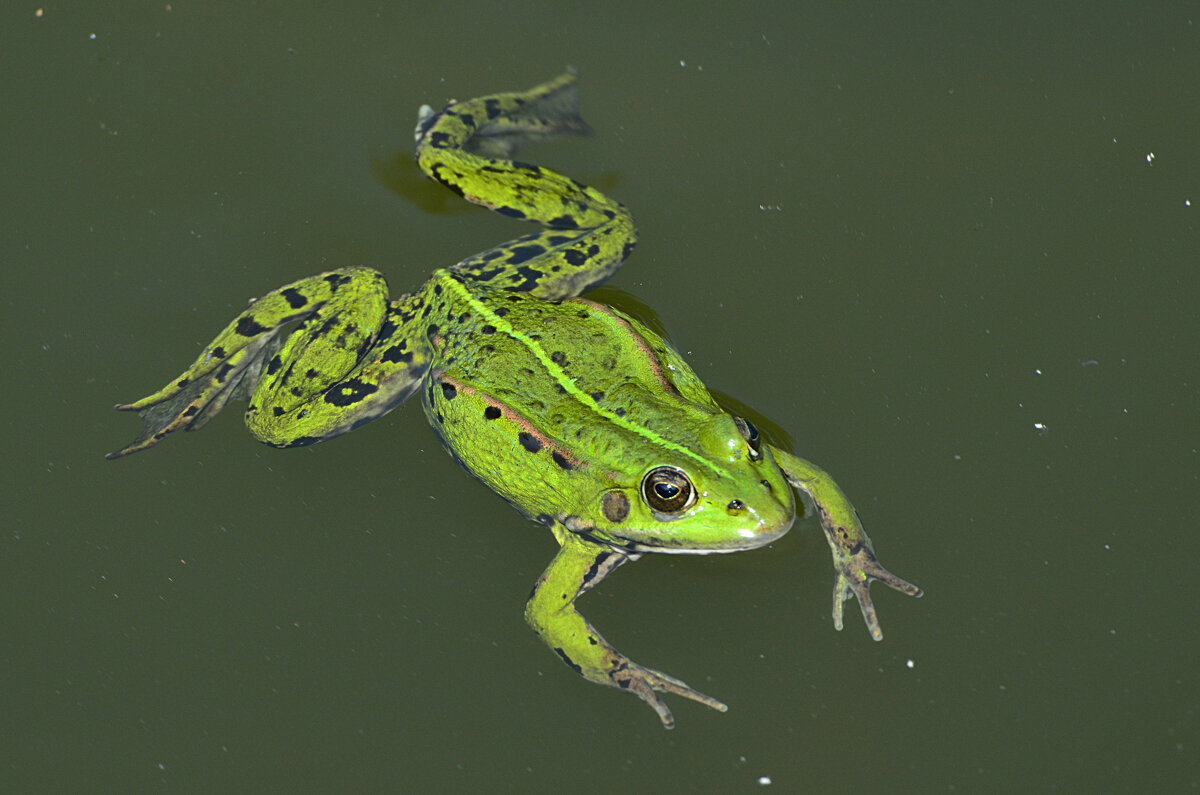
(579, 415)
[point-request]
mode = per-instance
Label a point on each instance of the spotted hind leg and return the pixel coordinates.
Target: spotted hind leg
(315, 358)
(587, 235)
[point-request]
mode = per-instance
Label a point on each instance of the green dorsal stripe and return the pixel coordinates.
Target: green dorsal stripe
(446, 280)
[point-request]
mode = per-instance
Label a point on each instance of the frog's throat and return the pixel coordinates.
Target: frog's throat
(447, 280)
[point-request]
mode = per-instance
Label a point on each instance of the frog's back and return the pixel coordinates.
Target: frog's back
(539, 352)
(584, 375)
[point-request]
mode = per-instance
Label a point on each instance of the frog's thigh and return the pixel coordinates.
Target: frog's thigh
(350, 363)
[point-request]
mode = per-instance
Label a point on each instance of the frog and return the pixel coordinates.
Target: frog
(581, 416)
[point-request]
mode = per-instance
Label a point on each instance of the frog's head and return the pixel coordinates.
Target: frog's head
(721, 493)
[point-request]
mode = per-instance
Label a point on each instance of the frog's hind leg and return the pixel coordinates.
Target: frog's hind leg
(497, 125)
(587, 236)
(347, 362)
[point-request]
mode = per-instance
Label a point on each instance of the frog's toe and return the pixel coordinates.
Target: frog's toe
(856, 581)
(646, 684)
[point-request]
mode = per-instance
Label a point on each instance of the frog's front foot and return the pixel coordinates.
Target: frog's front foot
(854, 562)
(854, 569)
(647, 683)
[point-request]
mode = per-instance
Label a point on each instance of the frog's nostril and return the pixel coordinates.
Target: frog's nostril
(736, 505)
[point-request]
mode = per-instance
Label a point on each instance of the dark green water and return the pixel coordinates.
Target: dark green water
(952, 250)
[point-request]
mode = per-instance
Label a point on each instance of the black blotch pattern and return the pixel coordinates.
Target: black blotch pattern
(249, 327)
(350, 392)
(595, 567)
(337, 280)
(530, 442)
(562, 222)
(521, 254)
(530, 276)
(441, 177)
(568, 661)
(294, 298)
(492, 413)
(387, 329)
(449, 392)
(397, 354)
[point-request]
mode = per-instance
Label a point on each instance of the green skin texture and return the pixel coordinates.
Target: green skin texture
(580, 416)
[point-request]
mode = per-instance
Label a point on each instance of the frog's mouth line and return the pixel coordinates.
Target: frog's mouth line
(637, 548)
(754, 542)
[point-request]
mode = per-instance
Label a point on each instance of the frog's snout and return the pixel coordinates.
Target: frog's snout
(761, 524)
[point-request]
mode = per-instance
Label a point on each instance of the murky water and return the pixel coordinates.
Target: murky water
(950, 250)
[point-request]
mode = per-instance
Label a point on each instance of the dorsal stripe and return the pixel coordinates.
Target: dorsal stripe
(560, 375)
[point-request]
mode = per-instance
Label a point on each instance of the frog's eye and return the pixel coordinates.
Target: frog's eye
(750, 434)
(668, 490)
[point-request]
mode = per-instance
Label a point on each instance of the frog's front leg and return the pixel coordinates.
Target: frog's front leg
(578, 566)
(854, 560)
(350, 359)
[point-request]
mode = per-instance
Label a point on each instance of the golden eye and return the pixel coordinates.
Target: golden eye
(750, 434)
(668, 490)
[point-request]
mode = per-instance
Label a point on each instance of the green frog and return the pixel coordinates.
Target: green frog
(579, 415)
